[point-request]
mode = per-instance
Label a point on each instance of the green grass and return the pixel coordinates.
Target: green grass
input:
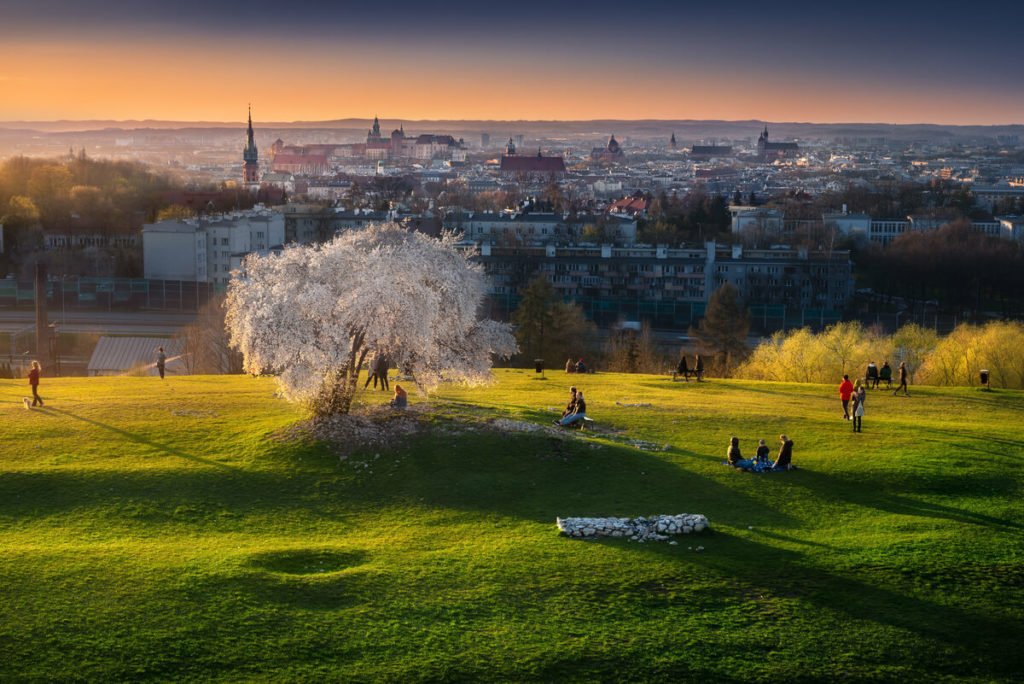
(152, 531)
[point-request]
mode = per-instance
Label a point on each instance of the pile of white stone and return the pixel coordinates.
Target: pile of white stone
(655, 528)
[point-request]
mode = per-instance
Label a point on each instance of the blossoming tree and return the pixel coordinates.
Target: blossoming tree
(312, 314)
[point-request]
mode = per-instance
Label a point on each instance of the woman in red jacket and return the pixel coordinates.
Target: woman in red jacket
(33, 379)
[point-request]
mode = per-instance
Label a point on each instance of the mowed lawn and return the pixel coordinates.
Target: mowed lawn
(151, 531)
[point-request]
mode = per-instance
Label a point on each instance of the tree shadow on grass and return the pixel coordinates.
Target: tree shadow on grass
(139, 439)
(539, 476)
(874, 491)
(988, 642)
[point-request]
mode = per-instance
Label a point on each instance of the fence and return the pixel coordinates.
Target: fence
(112, 293)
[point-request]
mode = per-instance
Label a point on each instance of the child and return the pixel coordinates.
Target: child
(761, 457)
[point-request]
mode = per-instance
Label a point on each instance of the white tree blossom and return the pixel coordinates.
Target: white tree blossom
(313, 313)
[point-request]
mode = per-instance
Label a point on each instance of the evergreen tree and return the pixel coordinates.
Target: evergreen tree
(722, 332)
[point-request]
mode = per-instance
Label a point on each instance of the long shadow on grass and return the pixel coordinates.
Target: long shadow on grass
(214, 499)
(539, 477)
(870, 490)
(139, 439)
(769, 573)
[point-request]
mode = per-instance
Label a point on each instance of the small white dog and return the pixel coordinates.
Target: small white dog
(28, 403)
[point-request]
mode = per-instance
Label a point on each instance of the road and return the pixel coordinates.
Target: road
(100, 322)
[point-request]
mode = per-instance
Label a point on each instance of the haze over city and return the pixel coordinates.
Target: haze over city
(905, 62)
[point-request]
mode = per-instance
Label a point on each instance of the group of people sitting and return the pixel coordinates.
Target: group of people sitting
(575, 410)
(683, 369)
(761, 462)
(875, 375)
(575, 367)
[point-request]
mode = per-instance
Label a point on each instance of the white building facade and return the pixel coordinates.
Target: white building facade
(208, 249)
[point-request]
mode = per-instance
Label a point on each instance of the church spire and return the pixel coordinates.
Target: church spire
(250, 155)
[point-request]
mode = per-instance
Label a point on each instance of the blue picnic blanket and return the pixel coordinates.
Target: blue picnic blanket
(752, 466)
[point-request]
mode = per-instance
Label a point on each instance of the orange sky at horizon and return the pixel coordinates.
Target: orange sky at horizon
(180, 80)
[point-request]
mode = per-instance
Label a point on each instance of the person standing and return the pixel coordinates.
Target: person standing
(903, 380)
(845, 390)
(161, 361)
(858, 407)
(698, 368)
(33, 380)
(382, 373)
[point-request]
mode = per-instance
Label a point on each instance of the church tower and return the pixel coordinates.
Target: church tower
(251, 155)
(672, 142)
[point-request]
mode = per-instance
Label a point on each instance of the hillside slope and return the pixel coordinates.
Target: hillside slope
(180, 530)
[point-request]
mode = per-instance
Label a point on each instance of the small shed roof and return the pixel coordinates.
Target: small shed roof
(122, 354)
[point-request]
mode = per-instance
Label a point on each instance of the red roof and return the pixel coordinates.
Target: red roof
(527, 164)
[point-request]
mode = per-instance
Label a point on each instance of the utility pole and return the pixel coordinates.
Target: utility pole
(43, 349)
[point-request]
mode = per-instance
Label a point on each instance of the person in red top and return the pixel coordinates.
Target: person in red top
(845, 390)
(33, 379)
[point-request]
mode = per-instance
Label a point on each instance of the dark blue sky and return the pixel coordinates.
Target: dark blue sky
(962, 58)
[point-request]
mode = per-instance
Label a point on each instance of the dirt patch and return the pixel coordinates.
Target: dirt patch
(380, 426)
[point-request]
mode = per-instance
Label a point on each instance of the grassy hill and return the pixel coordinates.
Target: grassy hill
(173, 531)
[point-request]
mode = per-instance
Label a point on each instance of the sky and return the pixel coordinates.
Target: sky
(206, 60)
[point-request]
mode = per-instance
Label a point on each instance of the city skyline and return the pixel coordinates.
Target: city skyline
(905, 62)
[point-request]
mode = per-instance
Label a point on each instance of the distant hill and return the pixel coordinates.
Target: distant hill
(683, 128)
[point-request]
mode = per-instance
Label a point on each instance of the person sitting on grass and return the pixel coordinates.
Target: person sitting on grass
(578, 414)
(570, 408)
(761, 457)
(785, 459)
(401, 398)
(570, 367)
(581, 367)
(736, 460)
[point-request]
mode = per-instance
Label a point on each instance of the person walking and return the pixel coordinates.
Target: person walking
(698, 368)
(845, 390)
(858, 407)
(33, 379)
(161, 361)
(903, 380)
(683, 369)
(372, 372)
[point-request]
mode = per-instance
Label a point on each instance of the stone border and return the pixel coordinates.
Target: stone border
(655, 528)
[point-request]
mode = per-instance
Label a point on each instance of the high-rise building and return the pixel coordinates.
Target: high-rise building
(251, 174)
